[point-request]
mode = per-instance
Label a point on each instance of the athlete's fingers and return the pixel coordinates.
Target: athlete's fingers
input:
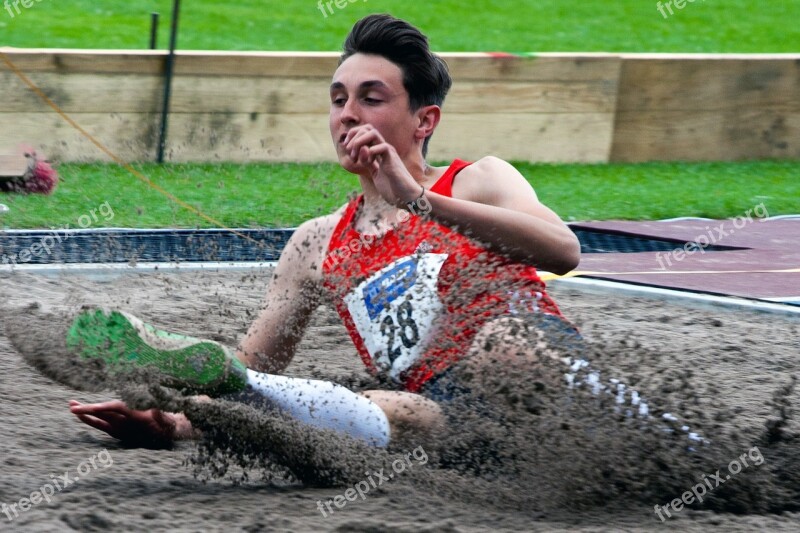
(111, 416)
(355, 135)
(362, 131)
(358, 145)
(378, 151)
(97, 423)
(364, 157)
(109, 412)
(364, 137)
(91, 408)
(350, 134)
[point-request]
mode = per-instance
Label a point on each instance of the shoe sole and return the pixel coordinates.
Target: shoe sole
(126, 344)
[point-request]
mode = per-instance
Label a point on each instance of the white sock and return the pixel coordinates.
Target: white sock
(324, 405)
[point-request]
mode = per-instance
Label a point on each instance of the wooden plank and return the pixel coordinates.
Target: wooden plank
(474, 66)
(130, 136)
(476, 97)
(12, 166)
(478, 66)
(305, 138)
(559, 137)
(706, 136)
(270, 64)
(530, 137)
(83, 93)
(192, 137)
(273, 106)
(709, 84)
(69, 61)
(131, 93)
(710, 56)
(541, 67)
(208, 63)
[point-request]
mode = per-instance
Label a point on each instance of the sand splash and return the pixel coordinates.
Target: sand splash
(521, 439)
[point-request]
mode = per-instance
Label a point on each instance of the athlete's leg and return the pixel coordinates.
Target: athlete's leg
(541, 341)
(324, 405)
(513, 342)
(127, 345)
(406, 412)
(504, 344)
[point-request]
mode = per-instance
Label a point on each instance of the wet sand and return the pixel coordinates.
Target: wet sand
(719, 368)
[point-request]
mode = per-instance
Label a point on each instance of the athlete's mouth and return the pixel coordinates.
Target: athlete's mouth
(342, 138)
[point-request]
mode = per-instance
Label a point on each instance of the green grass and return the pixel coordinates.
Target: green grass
(263, 195)
(284, 195)
(452, 25)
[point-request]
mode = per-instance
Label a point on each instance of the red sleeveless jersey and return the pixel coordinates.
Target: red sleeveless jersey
(413, 298)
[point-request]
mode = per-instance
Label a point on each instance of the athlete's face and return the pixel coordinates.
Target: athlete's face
(368, 89)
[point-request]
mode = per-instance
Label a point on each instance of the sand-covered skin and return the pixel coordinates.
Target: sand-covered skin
(719, 369)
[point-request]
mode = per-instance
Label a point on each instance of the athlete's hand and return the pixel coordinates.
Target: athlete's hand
(367, 148)
(151, 428)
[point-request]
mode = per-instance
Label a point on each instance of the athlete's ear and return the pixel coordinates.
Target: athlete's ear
(429, 117)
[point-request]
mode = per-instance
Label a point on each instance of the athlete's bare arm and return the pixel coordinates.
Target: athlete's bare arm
(292, 296)
(492, 202)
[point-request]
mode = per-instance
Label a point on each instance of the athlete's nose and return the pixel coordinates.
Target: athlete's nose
(349, 114)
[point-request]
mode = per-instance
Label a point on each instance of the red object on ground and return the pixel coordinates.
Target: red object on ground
(26, 172)
(43, 179)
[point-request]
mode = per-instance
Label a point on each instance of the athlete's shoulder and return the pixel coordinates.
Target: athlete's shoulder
(317, 230)
(319, 227)
(491, 166)
(487, 178)
(306, 249)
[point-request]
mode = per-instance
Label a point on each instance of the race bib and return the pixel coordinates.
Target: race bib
(395, 310)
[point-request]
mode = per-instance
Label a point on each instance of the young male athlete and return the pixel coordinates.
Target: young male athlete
(422, 266)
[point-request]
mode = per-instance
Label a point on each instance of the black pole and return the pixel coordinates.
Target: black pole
(153, 30)
(173, 37)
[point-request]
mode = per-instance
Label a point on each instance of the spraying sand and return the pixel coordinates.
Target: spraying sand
(533, 456)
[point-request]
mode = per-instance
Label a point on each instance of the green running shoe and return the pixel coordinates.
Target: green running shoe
(123, 342)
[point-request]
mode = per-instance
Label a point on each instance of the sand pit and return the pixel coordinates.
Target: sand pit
(587, 470)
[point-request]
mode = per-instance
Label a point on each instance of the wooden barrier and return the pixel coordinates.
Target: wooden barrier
(273, 106)
(708, 107)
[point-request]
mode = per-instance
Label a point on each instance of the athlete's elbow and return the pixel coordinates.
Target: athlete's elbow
(564, 267)
(567, 258)
(561, 268)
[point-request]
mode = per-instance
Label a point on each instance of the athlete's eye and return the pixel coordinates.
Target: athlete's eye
(372, 99)
(338, 101)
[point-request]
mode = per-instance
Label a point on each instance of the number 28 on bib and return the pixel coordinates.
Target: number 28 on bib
(395, 310)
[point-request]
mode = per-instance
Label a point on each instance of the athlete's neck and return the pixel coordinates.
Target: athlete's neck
(422, 173)
(375, 210)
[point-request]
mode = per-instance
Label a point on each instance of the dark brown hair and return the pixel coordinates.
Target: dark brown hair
(425, 75)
